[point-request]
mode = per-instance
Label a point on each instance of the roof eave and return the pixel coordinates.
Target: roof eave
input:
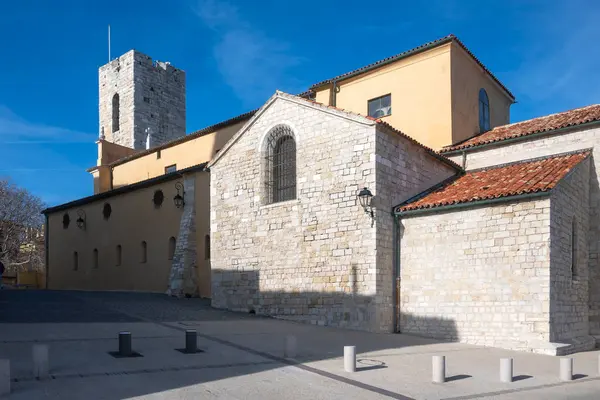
(125, 189)
(409, 53)
(466, 204)
(502, 142)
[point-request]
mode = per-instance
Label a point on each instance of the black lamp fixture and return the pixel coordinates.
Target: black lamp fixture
(81, 220)
(365, 196)
(178, 199)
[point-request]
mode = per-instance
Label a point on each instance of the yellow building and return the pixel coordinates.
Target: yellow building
(147, 226)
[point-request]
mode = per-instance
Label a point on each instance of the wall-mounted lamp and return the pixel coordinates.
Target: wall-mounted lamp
(365, 196)
(178, 199)
(81, 220)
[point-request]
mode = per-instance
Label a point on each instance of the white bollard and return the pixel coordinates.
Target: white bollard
(290, 349)
(439, 369)
(598, 364)
(40, 361)
(350, 358)
(566, 369)
(506, 370)
(4, 377)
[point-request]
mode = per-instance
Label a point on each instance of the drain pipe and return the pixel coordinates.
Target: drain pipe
(396, 270)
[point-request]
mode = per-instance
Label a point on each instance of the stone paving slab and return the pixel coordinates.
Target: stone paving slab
(244, 357)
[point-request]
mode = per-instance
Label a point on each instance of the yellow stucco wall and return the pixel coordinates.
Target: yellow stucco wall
(184, 155)
(420, 91)
(134, 219)
(435, 95)
(467, 78)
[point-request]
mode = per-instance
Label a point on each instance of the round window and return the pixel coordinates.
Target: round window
(158, 198)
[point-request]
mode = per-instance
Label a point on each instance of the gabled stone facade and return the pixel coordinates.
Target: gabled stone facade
(318, 258)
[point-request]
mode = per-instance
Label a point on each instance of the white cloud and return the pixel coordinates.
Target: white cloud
(560, 63)
(14, 129)
(252, 63)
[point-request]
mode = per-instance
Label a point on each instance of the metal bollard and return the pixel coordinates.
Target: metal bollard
(439, 369)
(4, 377)
(506, 370)
(290, 349)
(125, 344)
(41, 367)
(566, 369)
(350, 358)
(191, 341)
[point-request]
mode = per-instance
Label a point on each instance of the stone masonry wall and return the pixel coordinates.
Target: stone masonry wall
(575, 139)
(404, 169)
(311, 259)
(569, 311)
(479, 275)
(183, 276)
(151, 99)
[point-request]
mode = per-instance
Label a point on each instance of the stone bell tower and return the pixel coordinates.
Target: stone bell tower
(142, 102)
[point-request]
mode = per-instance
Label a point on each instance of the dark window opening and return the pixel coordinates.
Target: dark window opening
(95, 258)
(106, 211)
(380, 106)
(158, 198)
(144, 255)
(115, 113)
(172, 244)
(119, 255)
(158, 155)
(281, 165)
(66, 221)
(75, 261)
(170, 168)
(207, 247)
(573, 249)
(484, 111)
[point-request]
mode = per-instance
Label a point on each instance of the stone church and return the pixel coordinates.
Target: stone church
(393, 198)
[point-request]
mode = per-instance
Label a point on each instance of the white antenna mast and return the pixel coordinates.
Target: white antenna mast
(109, 43)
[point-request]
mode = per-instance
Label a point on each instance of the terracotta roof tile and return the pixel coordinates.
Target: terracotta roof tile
(539, 175)
(547, 123)
(416, 50)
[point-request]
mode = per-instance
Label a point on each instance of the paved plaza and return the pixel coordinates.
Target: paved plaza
(243, 356)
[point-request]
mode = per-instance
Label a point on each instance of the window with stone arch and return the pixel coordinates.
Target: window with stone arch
(115, 113)
(280, 166)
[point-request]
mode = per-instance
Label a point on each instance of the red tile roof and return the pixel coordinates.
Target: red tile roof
(547, 123)
(539, 175)
(416, 50)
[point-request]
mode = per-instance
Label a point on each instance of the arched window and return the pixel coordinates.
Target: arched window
(115, 112)
(95, 258)
(207, 247)
(172, 243)
(484, 111)
(75, 261)
(119, 254)
(66, 220)
(280, 165)
(144, 252)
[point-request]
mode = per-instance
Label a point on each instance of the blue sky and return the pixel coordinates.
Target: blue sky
(237, 53)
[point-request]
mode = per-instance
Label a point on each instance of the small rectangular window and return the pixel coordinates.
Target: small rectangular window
(158, 154)
(171, 168)
(380, 106)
